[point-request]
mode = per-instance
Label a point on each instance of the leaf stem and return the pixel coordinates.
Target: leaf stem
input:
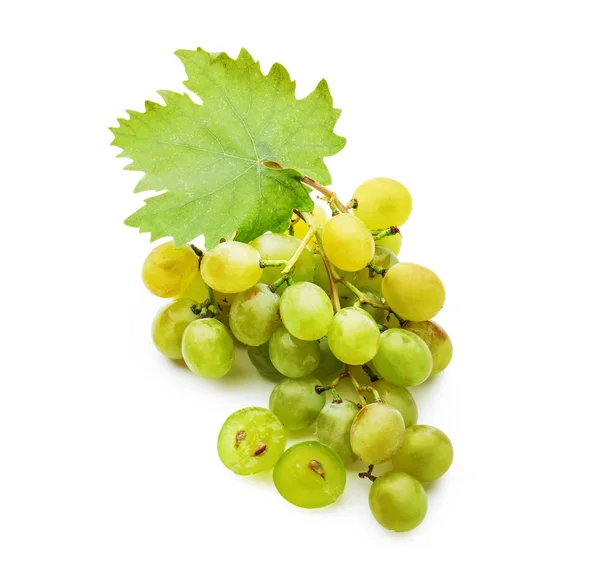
(331, 196)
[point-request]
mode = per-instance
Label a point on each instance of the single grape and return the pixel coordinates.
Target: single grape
(382, 202)
(301, 227)
(333, 428)
(353, 336)
(391, 242)
(347, 242)
(169, 270)
(208, 348)
(293, 357)
(310, 475)
(377, 433)
(251, 440)
(403, 358)
(426, 454)
(254, 315)
(296, 403)
(399, 398)
(225, 301)
(259, 357)
(196, 290)
(378, 314)
(329, 365)
(231, 267)
(398, 501)
(169, 325)
(437, 340)
(413, 291)
(382, 258)
(306, 311)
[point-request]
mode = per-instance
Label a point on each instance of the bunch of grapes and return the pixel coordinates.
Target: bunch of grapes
(327, 302)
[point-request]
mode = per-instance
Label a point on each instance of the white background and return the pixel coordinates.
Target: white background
(488, 111)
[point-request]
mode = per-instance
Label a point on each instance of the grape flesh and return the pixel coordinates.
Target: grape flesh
(306, 311)
(333, 428)
(259, 357)
(231, 267)
(426, 454)
(254, 315)
(438, 341)
(377, 433)
(399, 398)
(170, 324)
(169, 270)
(413, 291)
(251, 441)
(296, 403)
(353, 336)
(196, 290)
(293, 357)
(329, 365)
(351, 299)
(207, 348)
(382, 258)
(398, 501)
(403, 358)
(382, 202)
(310, 475)
(348, 242)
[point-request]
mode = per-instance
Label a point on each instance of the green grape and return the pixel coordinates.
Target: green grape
(382, 202)
(296, 403)
(399, 398)
(301, 227)
(353, 336)
(197, 290)
(426, 454)
(398, 501)
(208, 348)
(347, 242)
(306, 311)
(333, 428)
(329, 365)
(391, 242)
(378, 314)
(169, 270)
(231, 267)
(377, 433)
(383, 258)
(413, 291)
(310, 475)
(251, 440)
(259, 357)
(293, 357)
(225, 301)
(169, 325)
(254, 315)
(403, 358)
(437, 340)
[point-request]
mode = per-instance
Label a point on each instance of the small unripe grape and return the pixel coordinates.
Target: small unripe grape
(382, 202)
(347, 242)
(231, 267)
(169, 270)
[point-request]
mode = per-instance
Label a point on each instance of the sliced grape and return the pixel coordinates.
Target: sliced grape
(296, 403)
(333, 428)
(438, 341)
(399, 398)
(329, 365)
(169, 325)
(254, 315)
(306, 311)
(231, 267)
(347, 242)
(207, 348)
(353, 336)
(293, 357)
(259, 357)
(169, 270)
(382, 202)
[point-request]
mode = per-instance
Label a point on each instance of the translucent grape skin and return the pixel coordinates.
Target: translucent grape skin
(382, 258)
(438, 341)
(398, 501)
(382, 202)
(353, 336)
(348, 242)
(296, 403)
(207, 348)
(169, 325)
(377, 433)
(196, 290)
(259, 357)
(333, 428)
(231, 267)
(251, 441)
(169, 270)
(403, 358)
(413, 291)
(399, 398)
(329, 365)
(293, 357)
(306, 311)
(351, 299)
(254, 315)
(310, 475)
(426, 454)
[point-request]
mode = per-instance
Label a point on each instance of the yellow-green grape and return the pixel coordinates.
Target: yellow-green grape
(437, 340)
(296, 403)
(398, 501)
(391, 242)
(169, 325)
(196, 290)
(231, 267)
(251, 441)
(310, 475)
(254, 315)
(382, 202)
(378, 314)
(306, 311)
(225, 301)
(377, 433)
(329, 365)
(399, 398)
(426, 454)
(403, 358)
(293, 357)
(301, 227)
(259, 357)
(347, 242)
(207, 348)
(382, 258)
(353, 336)
(333, 428)
(413, 291)
(169, 270)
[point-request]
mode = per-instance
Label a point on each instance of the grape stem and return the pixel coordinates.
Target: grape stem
(393, 230)
(372, 375)
(331, 196)
(292, 261)
(362, 388)
(368, 474)
(377, 269)
(272, 263)
(212, 303)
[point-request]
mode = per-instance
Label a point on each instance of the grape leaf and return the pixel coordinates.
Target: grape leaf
(210, 159)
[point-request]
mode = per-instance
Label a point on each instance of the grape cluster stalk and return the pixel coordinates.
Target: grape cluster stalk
(325, 309)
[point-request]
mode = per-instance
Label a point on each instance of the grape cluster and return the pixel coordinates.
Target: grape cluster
(325, 304)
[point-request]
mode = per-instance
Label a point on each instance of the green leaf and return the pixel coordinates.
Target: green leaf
(210, 158)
